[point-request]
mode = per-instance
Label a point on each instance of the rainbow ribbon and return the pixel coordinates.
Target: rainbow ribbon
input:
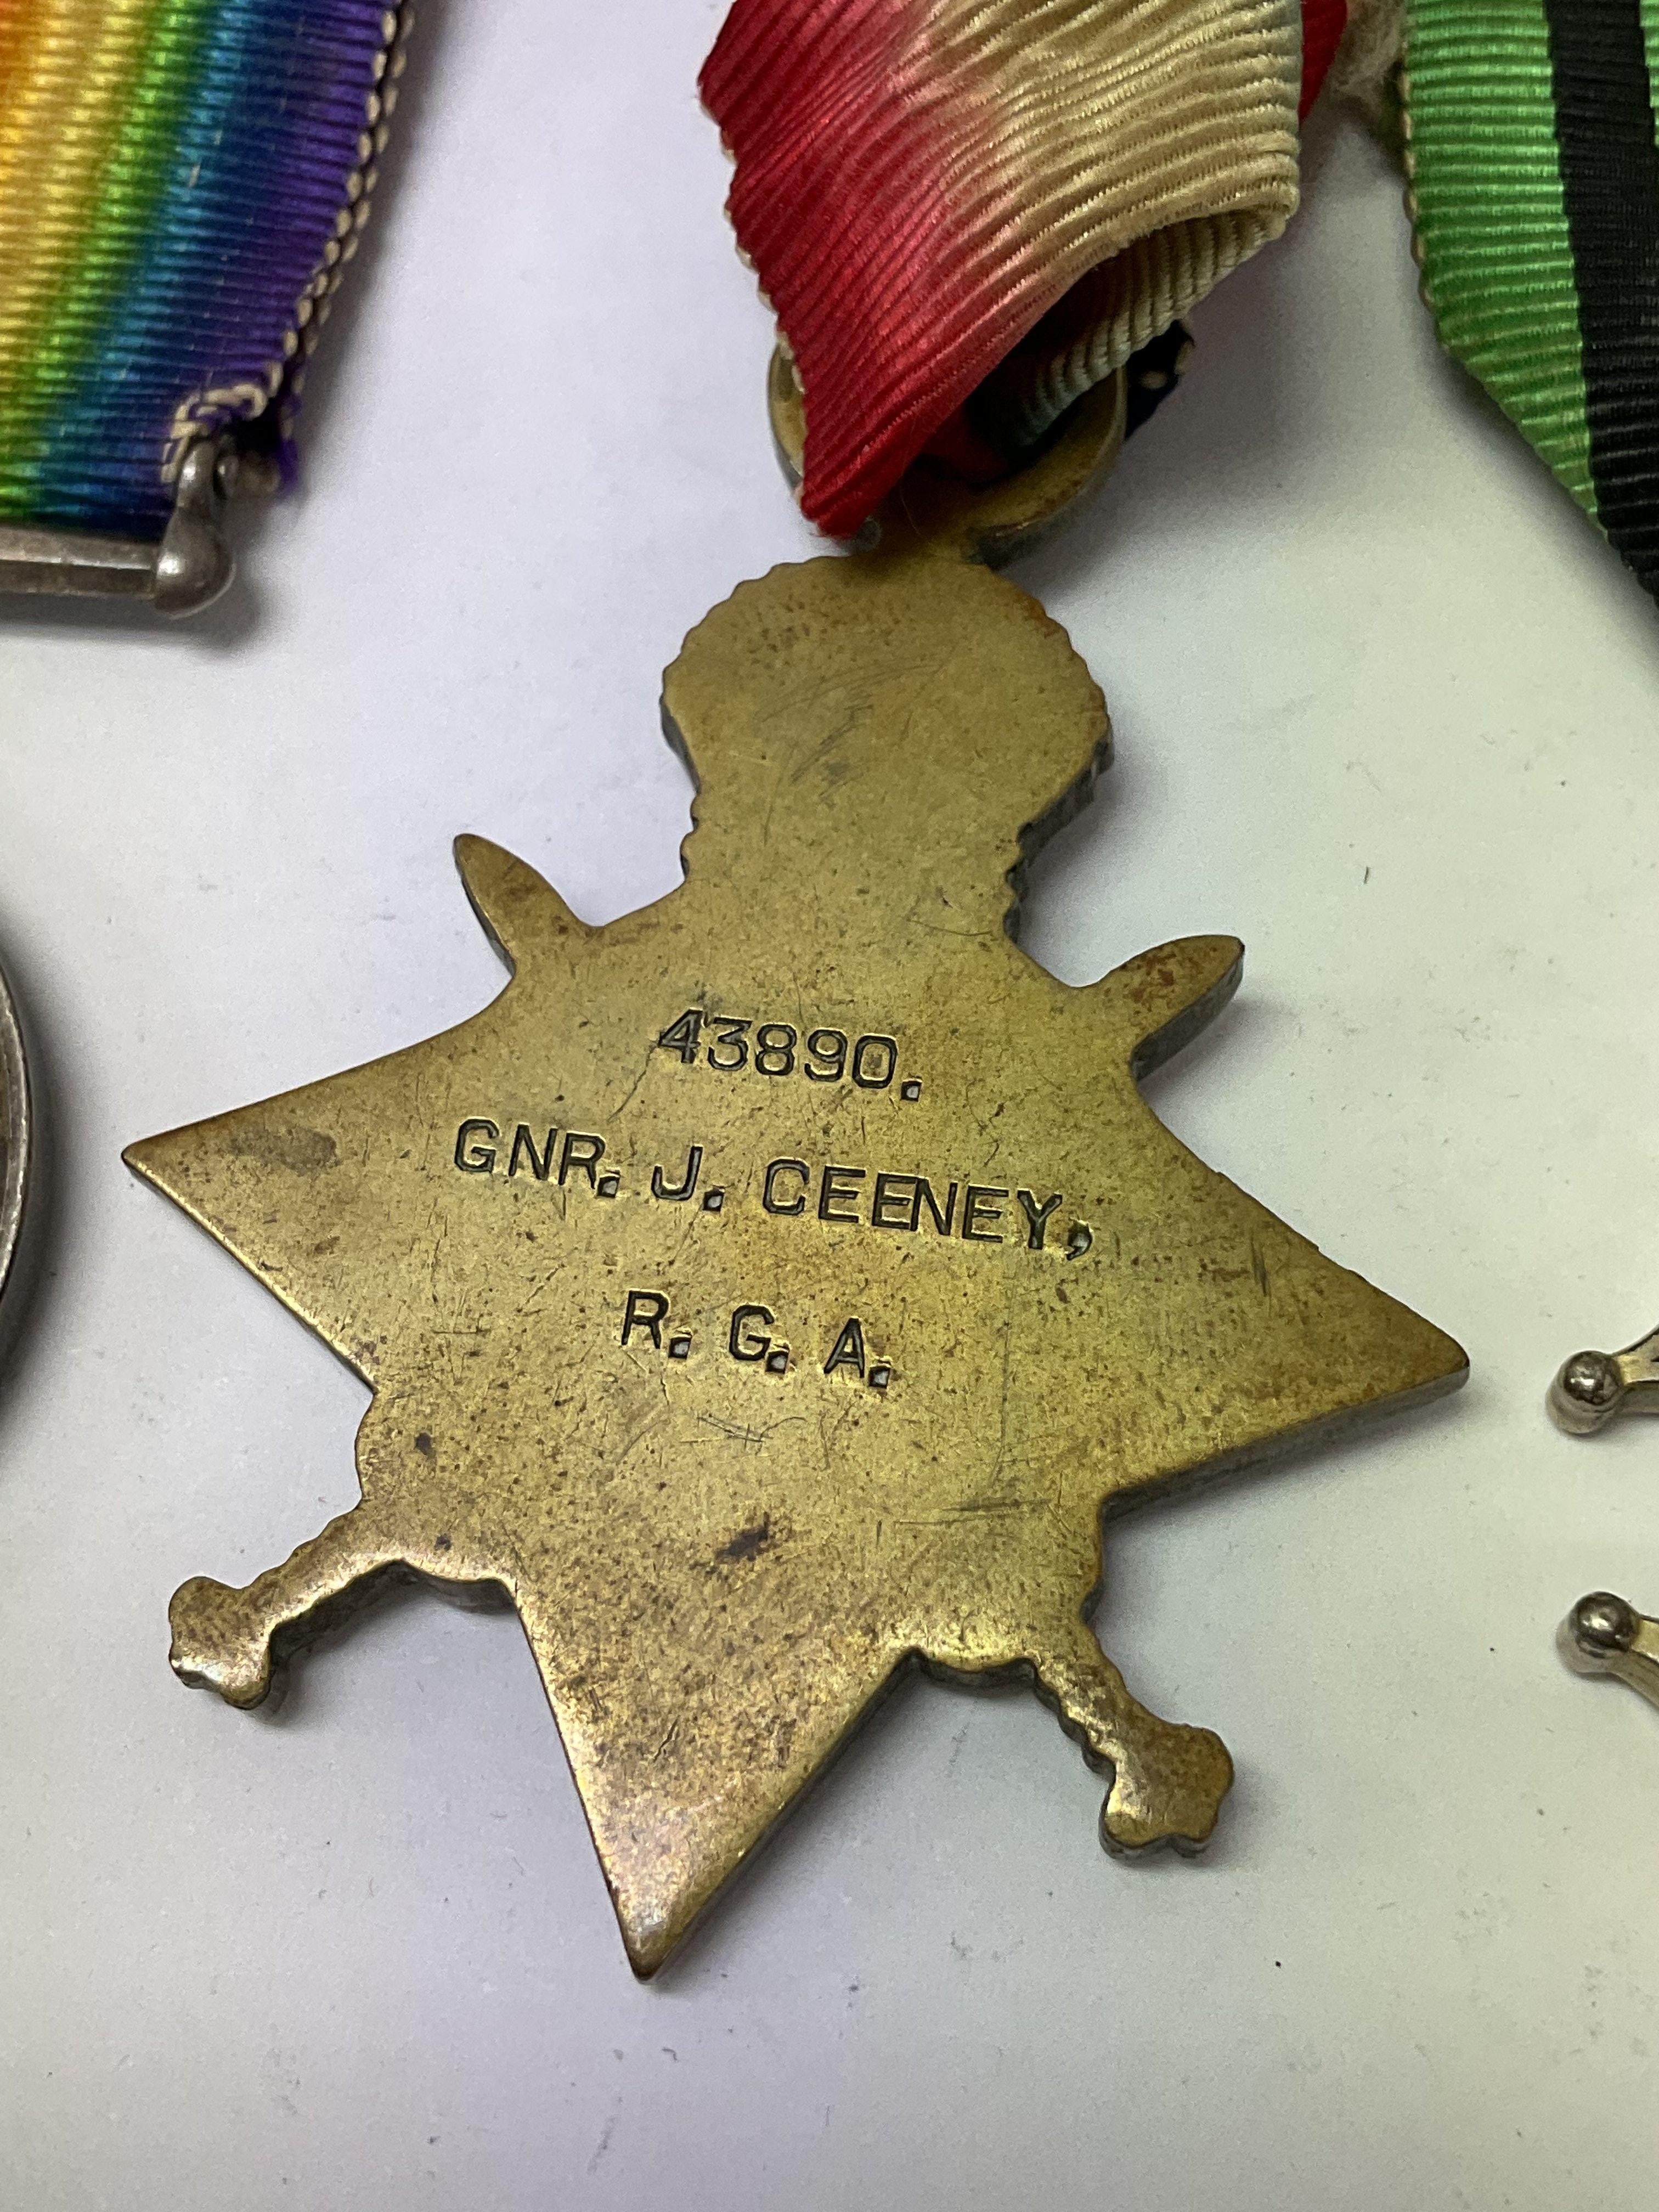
(181, 183)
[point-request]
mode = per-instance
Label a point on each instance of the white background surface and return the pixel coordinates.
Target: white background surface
(1386, 707)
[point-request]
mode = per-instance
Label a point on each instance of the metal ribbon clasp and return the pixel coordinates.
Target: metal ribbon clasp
(183, 571)
(1606, 1635)
(1593, 1386)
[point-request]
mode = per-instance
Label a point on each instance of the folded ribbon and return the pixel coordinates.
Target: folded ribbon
(995, 201)
(966, 212)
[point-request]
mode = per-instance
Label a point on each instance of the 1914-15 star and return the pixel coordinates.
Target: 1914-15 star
(769, 1290)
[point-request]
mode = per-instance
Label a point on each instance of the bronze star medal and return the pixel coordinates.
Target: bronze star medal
(770, 1290)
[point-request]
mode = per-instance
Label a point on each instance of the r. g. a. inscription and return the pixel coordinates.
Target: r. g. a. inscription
(745, 1339)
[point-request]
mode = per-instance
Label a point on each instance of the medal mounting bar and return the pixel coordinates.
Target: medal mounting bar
(1593, 1388)
(1606, 1635)
(179, 572)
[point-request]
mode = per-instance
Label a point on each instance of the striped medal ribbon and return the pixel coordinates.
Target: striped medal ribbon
(181, 183)
(1534, 182)
(965, 213)
(968, 213)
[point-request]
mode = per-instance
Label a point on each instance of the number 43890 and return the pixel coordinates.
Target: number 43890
(778, 1048)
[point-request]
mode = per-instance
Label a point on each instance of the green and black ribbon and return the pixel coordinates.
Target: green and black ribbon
(1535, 171)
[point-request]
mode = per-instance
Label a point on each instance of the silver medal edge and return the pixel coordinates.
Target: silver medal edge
(16, 1134)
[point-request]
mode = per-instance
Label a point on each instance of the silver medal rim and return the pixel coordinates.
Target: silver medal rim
(16, 1133)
